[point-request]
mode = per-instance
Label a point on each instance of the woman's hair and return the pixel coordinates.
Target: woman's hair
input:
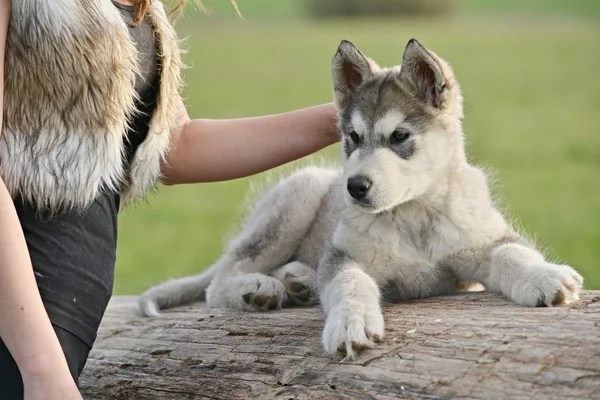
(142, 8)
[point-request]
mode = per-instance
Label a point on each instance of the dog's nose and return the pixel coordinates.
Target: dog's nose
(358, 186)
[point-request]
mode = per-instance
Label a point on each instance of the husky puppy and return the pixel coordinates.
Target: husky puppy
(407, 216)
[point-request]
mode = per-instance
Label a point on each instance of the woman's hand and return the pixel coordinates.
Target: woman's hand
(51, 387)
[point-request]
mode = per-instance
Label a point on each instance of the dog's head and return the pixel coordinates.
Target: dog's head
(400, 126)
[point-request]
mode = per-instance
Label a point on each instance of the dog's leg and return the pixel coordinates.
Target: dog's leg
(300, 283)
(523, 275)
(272, 234)
(351, 301)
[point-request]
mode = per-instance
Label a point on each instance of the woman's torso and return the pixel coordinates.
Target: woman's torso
(73, 253)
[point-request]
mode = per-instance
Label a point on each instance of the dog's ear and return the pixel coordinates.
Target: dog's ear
(349, 68)
(423, 73)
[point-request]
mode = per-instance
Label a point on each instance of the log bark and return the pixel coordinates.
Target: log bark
(472, 346)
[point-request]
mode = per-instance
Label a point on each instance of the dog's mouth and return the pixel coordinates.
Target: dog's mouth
(364, 204)
(373, 210)
(369, 205)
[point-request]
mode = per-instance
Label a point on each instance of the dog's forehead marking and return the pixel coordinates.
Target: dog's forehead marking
(359, 124)
(388, 122)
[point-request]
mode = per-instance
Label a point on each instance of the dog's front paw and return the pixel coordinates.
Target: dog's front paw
(549, 285)
(352, 327)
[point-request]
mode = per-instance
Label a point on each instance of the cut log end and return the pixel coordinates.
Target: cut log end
(472, 345)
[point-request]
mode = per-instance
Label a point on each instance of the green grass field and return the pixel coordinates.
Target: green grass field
(532, 95)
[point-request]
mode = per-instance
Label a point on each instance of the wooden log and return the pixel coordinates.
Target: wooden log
(473, 346)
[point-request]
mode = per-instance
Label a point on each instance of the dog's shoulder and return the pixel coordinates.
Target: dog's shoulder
(470, 205)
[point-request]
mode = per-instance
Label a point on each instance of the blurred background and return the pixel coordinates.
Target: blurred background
(529, 71)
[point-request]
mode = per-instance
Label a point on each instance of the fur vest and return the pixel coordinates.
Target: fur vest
(70, 69)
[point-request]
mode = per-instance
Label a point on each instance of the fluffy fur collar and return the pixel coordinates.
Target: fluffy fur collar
(70, 69)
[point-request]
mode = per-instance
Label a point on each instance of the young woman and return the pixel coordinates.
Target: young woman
(92, 119)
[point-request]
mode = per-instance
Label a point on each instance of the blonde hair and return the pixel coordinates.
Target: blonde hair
(142, 8)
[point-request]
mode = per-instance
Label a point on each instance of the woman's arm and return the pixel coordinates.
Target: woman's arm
(24, 325)
(206, 150)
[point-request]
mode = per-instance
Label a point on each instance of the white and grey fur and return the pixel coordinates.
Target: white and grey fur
(70, 69)
(407, 216)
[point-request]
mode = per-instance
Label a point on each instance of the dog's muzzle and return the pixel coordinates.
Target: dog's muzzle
(358, 186)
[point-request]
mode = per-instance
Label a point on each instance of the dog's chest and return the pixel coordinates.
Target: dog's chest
(402, 248)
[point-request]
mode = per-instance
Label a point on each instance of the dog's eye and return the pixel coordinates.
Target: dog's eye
(354, 136)
(399, 136)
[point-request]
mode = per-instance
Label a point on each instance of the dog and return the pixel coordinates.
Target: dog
(406, 217)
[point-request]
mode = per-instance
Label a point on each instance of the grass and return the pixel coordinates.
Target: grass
(580, 8)
(532, 96)
(268, 10)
